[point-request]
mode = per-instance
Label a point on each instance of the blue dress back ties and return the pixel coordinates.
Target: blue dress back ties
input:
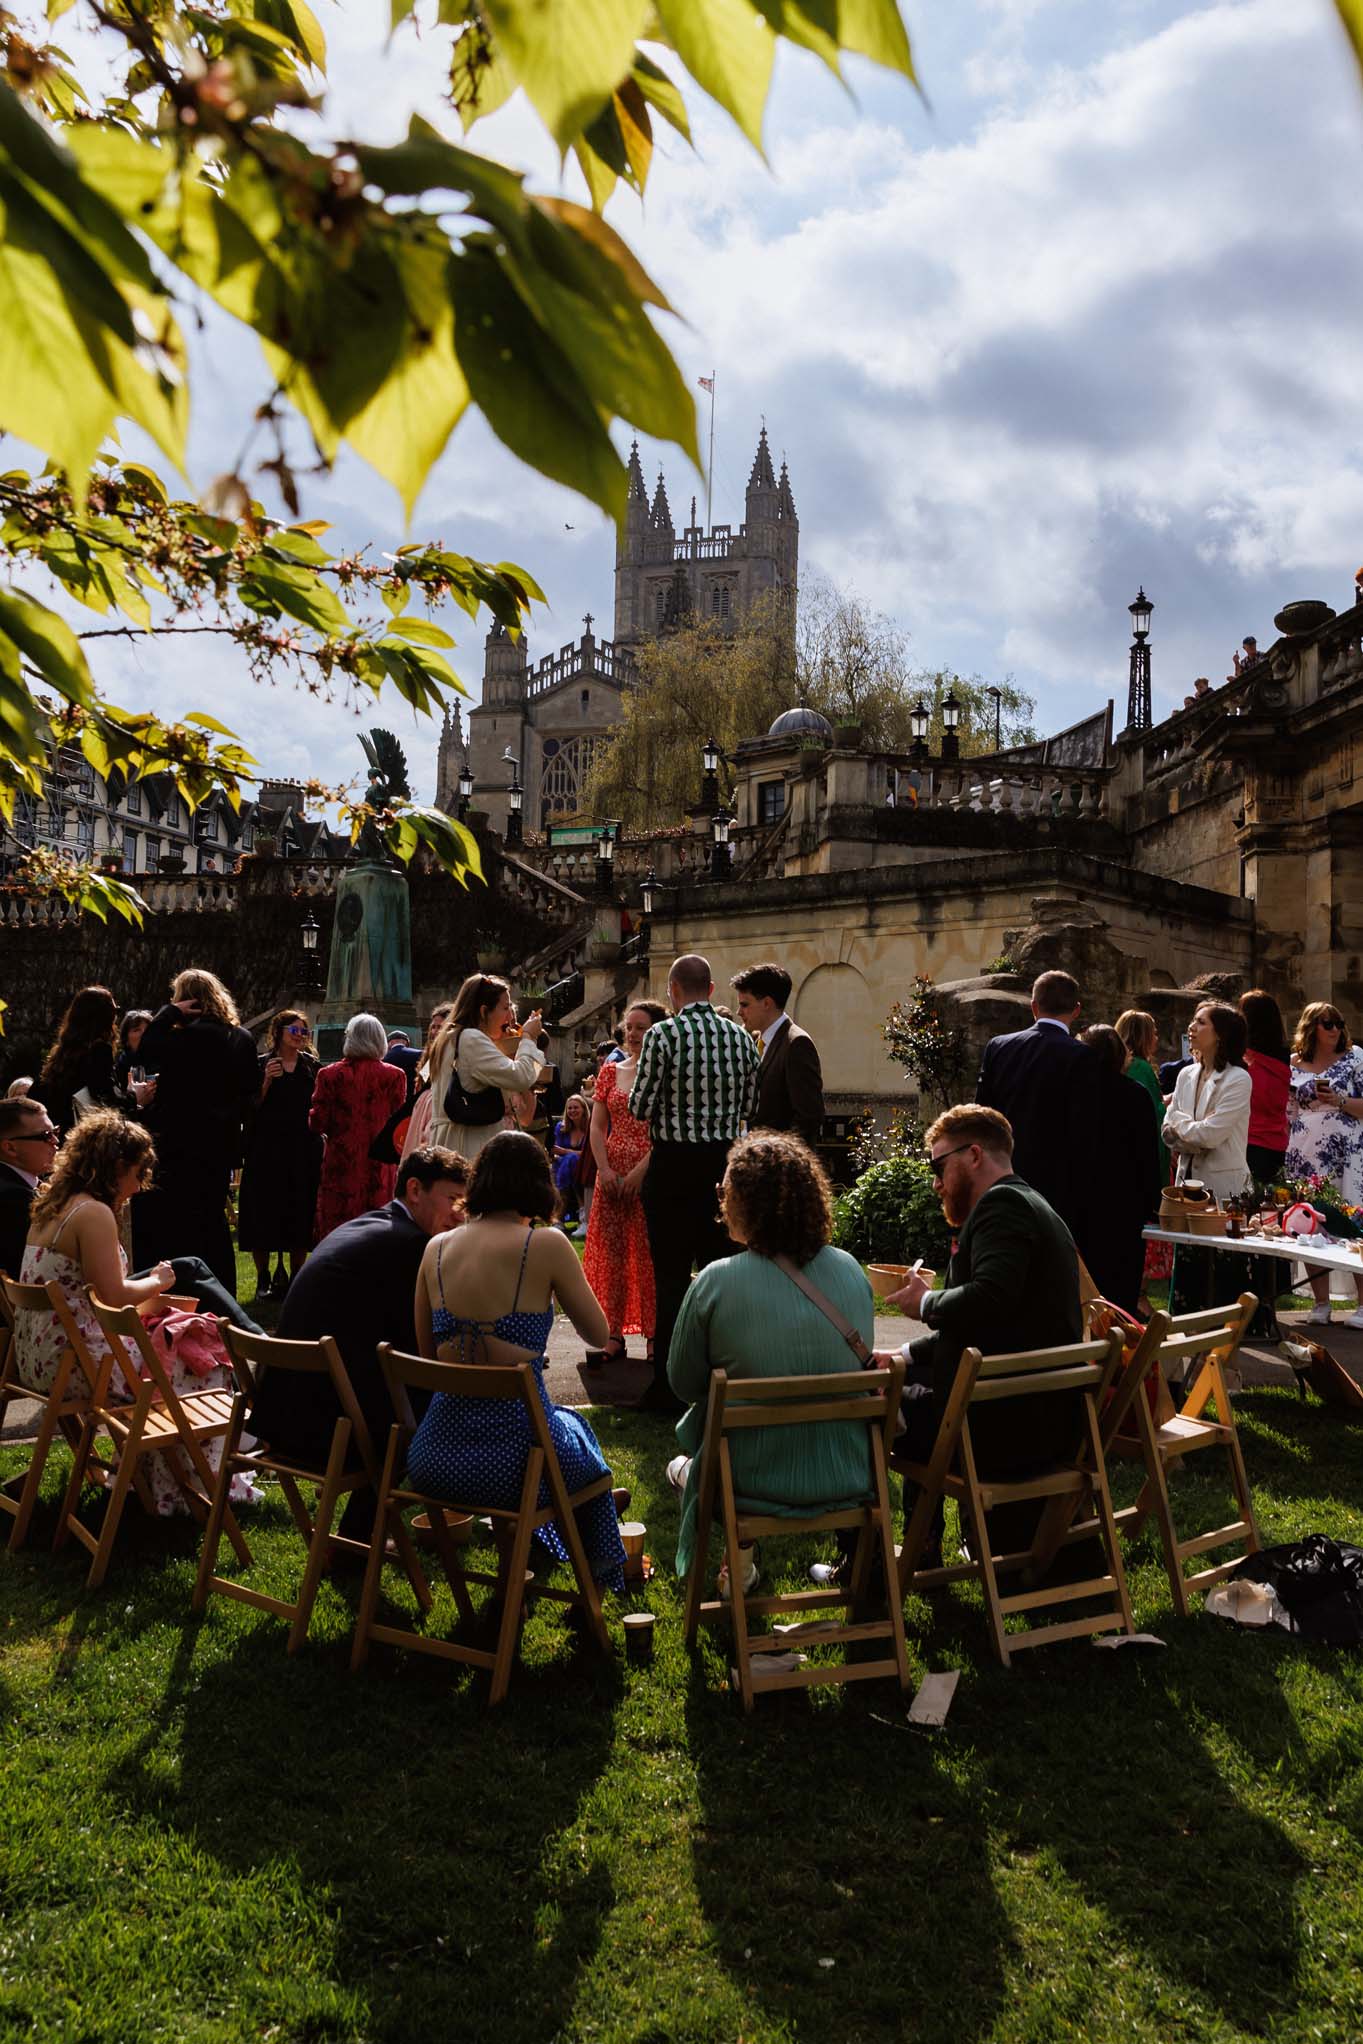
(473, 1451)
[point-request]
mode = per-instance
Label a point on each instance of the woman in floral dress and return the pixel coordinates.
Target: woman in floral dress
(351, 1101)
(616, 1262)
(73, 1237)
(1325, 1123)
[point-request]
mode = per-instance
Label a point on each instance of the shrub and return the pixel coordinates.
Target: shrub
(892, 1214)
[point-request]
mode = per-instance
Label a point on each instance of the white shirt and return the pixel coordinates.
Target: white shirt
(1052, 1022)
(769, 1032)
(30, 1178)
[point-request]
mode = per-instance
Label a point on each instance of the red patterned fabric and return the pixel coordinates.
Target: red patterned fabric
(616, 1262)
(350, 1104)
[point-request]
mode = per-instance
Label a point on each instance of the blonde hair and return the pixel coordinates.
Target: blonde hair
(92, 1159)
(1312, 1015)
(197, 984)
(1138, 1031)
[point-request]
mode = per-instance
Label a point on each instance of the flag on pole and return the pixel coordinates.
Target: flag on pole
(707, 383)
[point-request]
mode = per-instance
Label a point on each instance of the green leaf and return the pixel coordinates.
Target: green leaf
(875, 29)
(481, 80)
(207, 723)
(296, 20)
(298, 594)
(48, 643)
(54, 173)
(728, 49)
(662, 95)
(298, 546)
(396, 599)
(420, 633)
(526, 386)
(568, 54)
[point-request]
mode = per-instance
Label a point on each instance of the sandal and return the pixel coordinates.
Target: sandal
(615, 1351)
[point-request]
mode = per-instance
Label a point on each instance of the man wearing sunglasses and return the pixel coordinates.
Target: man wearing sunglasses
(28, 1150)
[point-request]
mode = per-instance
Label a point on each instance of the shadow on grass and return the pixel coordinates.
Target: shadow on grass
(425, 1822)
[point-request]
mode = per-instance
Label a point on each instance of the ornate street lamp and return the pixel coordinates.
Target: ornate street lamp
(951, 718)
(648, 893)
(710, 756)
(309, 933)
(515, 795)
(465, 792)
(605, 861)
(918, 725)
(1139, 716)
(721, 851)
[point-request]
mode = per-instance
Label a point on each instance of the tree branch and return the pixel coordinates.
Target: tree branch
(156, 631)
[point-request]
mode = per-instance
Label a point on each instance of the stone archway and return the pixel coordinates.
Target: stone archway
(834, 1004)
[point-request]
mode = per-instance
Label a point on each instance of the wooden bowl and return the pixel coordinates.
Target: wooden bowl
(459, 1526)
(888, 1277)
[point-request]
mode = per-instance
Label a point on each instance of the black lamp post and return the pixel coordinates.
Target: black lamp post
(721, 851)
(648, 893)
(605, 861)
(951, 718)
(709, 791)
(465, 793)
(918, 725)
(309, 933)
(1138, 712)
(997, 693)
(515, 796)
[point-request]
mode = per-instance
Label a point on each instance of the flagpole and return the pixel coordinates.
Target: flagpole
(710, 473)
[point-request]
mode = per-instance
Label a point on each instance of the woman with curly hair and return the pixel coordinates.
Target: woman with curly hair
(204, 1064)
(744, 1315)
(73, 1237)
(81, 1060)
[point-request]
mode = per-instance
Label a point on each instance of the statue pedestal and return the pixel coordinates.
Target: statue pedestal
(370, 968)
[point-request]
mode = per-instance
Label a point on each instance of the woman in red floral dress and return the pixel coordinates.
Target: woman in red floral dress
(351, 1101)
(616, 1262)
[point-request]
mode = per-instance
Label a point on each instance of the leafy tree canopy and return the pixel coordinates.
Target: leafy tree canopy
(708, 682)
(391, 291)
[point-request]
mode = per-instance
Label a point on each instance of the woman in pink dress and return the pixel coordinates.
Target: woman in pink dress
(616, 1262)
(351, 1101)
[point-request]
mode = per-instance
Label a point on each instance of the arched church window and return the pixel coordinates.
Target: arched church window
(567, 763)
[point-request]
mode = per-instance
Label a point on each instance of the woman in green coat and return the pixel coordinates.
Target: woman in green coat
(1140, 1034)
(745, 1316)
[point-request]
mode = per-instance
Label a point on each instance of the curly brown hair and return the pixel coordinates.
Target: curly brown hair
(1312, 1015)
(777, 1193)
(93, 1158)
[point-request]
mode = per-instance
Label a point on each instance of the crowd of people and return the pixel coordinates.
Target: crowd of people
(423, 1198)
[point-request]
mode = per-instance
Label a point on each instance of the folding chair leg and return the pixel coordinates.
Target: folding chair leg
(894, 1602)
(1164, 1518)
(700, 1558)
(369, 1595)
(988, 1580)
(28, 1496)
(203, 1469)
(80, 1462)
(738, 1612)
(1239, 1474)
(114, 1509)
(216, 1510)
(514, 1598)
(589, 1596)
(319, 1548)
(1103, 1499)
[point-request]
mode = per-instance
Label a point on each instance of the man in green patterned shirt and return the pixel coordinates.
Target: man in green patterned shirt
(696, 1087)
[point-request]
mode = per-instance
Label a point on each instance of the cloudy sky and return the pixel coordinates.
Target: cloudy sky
(1085, 315)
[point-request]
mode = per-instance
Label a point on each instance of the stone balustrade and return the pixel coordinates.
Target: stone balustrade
(1047, 792)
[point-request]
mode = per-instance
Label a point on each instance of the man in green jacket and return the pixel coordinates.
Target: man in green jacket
(1012, 1285)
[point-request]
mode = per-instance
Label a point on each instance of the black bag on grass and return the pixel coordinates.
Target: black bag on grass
(1319, 1583)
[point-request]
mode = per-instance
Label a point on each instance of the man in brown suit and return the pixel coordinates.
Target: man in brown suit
(790, 1083)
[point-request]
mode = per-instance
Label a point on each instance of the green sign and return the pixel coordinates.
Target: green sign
(579, 833)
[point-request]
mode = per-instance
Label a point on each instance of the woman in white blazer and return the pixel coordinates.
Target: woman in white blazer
(1206, 1124)
(475, 1045)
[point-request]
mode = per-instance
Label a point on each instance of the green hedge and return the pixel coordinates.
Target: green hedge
(892, 1214)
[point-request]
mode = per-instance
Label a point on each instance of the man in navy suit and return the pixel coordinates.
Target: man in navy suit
(359, 1285)
(1046, 1083)
(28, 1150)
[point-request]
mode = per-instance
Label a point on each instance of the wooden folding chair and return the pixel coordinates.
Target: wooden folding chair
(515, 1525)
(65, 1406)
(350, 1465)
(1088, 1368)
(869, 1396)
(154, 1419)
(1213, 1336)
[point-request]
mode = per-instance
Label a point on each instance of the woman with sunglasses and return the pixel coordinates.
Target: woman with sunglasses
(1325, 1123)
(278, 1193)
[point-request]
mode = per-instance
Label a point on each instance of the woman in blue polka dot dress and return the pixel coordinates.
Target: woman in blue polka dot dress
(486, 1294)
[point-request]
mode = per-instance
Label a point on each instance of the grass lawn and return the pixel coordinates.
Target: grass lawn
(201, 1839)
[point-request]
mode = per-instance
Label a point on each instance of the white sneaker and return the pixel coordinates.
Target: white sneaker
(1319, 1316)
(677, 1471)
(827, 1574)
(750, 1576)
(1355, 1319)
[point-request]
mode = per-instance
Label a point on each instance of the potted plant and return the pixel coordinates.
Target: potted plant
(170, 862)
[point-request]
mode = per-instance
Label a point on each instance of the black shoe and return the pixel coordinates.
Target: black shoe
(661, 1398)
(280, 1284)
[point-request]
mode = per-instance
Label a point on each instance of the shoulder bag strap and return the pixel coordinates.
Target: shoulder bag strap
(828, 1309)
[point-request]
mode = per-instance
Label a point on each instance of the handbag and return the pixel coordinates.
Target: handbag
(829, 1310)
(471, 1110)
(386, 1147)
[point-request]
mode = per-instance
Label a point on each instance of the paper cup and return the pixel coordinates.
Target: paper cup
(887, 1278)
(459, 1526)
(632, 1533)
(638, 1635)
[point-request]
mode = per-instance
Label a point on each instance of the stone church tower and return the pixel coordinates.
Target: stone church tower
(552, 716)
